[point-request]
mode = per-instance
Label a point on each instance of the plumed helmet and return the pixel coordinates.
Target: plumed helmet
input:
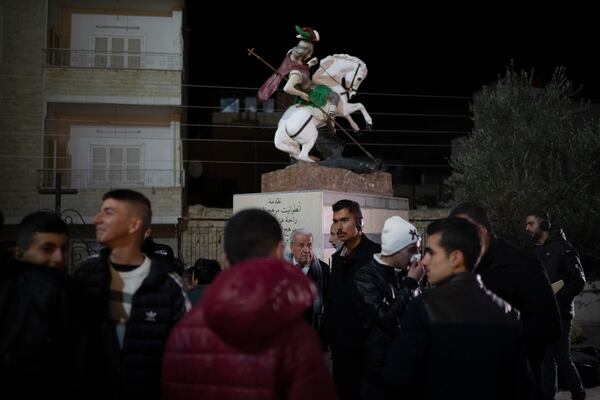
(307, 33)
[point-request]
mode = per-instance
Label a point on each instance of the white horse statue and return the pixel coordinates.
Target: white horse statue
(297, 129)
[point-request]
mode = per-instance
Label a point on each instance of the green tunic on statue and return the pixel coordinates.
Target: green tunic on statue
(318, 96)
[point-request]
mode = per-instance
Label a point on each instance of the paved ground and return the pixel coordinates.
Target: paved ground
(591, 394)
(593, 339)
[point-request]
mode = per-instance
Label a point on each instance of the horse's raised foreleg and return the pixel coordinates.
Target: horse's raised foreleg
(353, 124)
(353, 107)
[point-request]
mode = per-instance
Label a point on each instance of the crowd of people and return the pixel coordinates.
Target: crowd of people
(463, 315)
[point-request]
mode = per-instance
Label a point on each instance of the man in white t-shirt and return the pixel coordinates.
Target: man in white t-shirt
(125, 304)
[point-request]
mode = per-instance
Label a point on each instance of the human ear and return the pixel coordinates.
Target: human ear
(18, 252)
(136, 224)
(457, 259)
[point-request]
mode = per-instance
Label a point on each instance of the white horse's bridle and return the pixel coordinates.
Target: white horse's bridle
(351, 87)
(354, 78)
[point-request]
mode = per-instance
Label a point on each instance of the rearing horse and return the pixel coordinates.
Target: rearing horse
(297, 129)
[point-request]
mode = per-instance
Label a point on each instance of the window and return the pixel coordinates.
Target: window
(230, 104)
(250, 103)
(269, 106)
(114, 165)
(117, 52)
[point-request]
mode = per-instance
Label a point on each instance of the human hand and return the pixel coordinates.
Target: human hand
(313, 61)
(416, 270)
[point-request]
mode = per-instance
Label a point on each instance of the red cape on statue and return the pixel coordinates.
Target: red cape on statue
(271, 85)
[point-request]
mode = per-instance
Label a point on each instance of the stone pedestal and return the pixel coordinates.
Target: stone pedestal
(311, 176)
(311, 210)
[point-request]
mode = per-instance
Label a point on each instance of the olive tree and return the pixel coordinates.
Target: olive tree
(534, 147)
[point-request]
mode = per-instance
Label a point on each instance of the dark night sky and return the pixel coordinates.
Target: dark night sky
(403, 56)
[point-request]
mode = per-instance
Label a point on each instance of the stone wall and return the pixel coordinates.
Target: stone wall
(202, 232)
(421, 217)
(21, 105)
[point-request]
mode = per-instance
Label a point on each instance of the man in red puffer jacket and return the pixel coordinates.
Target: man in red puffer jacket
(247, 338)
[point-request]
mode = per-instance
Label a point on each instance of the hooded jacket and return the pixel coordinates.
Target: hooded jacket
(518, 278)
(247, 339)
(561, 262)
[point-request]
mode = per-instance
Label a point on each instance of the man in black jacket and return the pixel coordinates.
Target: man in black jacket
(564, 269)
(34, 334)
(518, 278)
(387, 284)
(458, 340)
(345, 322)
(125, 304)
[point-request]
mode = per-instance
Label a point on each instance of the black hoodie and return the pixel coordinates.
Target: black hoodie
(519, 279)
(561, 262)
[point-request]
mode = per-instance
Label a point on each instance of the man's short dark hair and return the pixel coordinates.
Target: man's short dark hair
(351, 205)
(205, 270)
(475, 212)
(39, 222)
(458, 234)
(251, 233)
(543, 216)
(135, 198)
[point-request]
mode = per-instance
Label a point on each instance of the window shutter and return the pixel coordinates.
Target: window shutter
(116, 52)
(98, 165)
(134, 47)
(132, 165)
(100, 52)
(116, 165)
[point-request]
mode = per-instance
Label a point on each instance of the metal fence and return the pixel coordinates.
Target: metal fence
(113, 59)
(200, 238)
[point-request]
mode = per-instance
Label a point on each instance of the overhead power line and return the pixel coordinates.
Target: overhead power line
(54, 135)
(230, 162)
(226, 87)
(257, 127)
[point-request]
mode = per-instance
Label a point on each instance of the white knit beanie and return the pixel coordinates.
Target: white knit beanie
(396, 235)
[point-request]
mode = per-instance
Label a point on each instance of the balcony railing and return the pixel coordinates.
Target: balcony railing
(113, 177)
(113, 60)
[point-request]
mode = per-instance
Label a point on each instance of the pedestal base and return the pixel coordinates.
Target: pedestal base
(311, 176)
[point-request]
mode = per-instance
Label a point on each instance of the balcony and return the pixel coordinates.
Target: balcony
(115, 60)
(87, 76)
(110, 178)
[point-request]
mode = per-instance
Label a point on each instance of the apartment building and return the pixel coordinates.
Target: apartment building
(91, 96)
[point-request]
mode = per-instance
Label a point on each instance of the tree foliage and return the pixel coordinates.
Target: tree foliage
(534, 148)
